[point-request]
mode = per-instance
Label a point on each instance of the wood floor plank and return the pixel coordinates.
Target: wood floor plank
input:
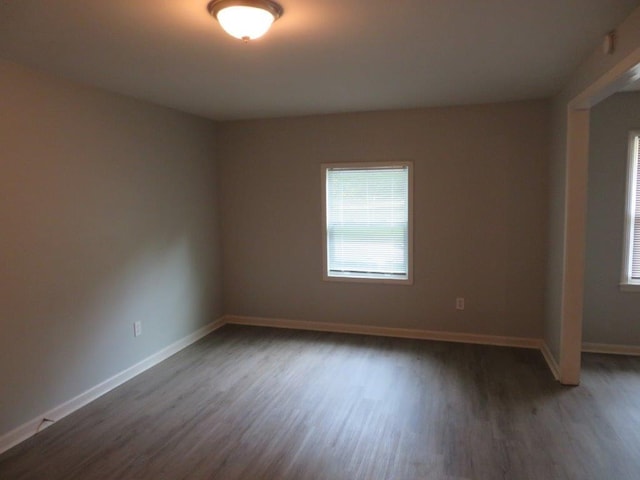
(259, 403)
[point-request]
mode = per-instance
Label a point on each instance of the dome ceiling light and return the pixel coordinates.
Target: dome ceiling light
(245, 19)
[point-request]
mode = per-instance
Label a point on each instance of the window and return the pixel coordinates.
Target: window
(631, 254)
(367, 222)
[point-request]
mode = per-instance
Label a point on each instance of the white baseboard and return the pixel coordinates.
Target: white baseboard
(521, 342)
(550, 359)
(30, 428)
(611, 348)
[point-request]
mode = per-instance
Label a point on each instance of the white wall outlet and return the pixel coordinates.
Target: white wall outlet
(460, 303)
(137, 329)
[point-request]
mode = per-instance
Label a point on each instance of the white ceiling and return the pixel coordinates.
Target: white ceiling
(322, 56)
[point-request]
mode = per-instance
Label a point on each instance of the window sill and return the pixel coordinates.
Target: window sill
(630, 287)
(387, 281)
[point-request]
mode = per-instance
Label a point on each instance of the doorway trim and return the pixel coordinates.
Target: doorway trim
(575, 208)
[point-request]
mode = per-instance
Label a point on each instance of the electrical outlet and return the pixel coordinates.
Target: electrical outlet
(137, 329)
(460, 303)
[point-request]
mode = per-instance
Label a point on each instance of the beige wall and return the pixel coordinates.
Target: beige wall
(610, 315)
(107, 216)
(480, 217)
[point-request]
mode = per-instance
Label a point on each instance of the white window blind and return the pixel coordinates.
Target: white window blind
(633, 212)
(367, 222)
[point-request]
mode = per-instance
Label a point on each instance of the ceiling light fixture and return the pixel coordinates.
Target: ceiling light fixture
(245, 19)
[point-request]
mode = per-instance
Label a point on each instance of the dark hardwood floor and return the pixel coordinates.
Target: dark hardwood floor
(257, 403)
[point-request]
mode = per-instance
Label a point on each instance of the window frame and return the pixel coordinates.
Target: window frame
(627, 283)
(364, 166)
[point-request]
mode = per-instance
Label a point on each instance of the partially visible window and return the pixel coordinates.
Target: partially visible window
(631, 254)
(367, 221)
